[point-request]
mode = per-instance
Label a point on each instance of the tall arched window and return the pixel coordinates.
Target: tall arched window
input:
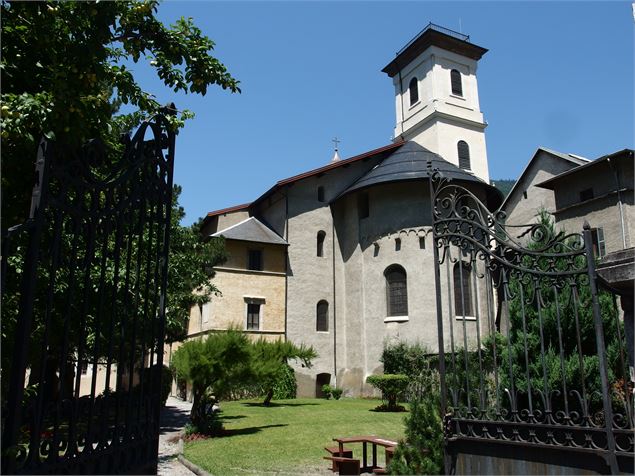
(413, 87)
(320, 243)
(396, 291)
(455, 79)
(464, 154)
(322, 317)
(462, 289)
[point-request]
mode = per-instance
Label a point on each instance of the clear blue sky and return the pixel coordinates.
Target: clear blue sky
(558, 75)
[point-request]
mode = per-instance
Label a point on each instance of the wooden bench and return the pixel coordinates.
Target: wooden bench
(345, 465)
(335, 452)
(380, 471)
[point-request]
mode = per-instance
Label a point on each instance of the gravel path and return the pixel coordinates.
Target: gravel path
(174, 416)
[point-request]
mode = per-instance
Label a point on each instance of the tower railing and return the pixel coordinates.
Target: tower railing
(440, 29)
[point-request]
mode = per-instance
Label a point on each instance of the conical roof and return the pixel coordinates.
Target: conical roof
(411, 162)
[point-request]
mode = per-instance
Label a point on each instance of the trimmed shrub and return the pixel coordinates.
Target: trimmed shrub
(337, 393)
(392, 386)
(327, 390)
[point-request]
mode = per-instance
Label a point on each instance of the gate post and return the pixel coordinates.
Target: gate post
(601, 348)
(437, 286)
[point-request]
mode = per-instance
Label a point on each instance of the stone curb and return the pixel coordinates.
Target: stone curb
(188, 464)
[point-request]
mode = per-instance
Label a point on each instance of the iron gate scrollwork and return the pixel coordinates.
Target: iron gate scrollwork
(531, 352)
(83, 314)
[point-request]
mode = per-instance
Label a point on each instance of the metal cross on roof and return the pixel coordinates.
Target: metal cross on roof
(336, 141)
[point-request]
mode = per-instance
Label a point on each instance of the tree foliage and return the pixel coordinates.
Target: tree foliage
(65, 74)
(392, 386)
(226, 363)
(271, 357)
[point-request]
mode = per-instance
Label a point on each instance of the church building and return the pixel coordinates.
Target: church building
(340, 257)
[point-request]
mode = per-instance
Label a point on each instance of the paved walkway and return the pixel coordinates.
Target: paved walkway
(174, 416)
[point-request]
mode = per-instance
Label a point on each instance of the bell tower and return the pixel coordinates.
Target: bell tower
(436, 97)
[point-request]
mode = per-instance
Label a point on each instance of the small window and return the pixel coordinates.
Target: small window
(599, 246)
(464, 154)
(413, 88)
(253, 316)
(422, 242)
(397, 244)
(320, 243)
(322, 317)
(396, 291)
(320, 194)
(586, 194)
(455, 78)
(362, 205)
(462, 290)
(254, 262)
(525, 194)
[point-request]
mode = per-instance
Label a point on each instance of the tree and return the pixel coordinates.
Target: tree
(64, 75)
(556, 314)
(270, 360)
(192, 260)
(214, 366)
(392, 386)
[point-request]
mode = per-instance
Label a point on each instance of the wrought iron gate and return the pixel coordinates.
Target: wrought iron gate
(532, 358)
(83, 309)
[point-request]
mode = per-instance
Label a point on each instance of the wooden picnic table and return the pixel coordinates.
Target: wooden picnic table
(365, 440)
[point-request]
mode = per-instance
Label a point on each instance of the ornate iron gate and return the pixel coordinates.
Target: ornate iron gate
(532, 357)
(83, 311)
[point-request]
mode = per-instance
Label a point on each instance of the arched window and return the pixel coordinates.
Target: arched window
(320, 243)
(413, 87)
(320, 193)
(322, 320)
(464, 154)
(396, 291)
(462, 289)
(455, 79)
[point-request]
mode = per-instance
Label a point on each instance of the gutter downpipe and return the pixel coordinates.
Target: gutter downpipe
(619, 201)
(286, 259)
(334, 301)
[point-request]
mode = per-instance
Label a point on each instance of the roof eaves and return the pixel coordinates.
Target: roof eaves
(326, 168)
(235, 208)
(549, 183)
(520, 177)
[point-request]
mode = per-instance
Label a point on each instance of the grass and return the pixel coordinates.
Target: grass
(289, 436)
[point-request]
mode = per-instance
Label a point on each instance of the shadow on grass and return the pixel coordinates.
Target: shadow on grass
(274, 405)
(232, 417)
(250, 430)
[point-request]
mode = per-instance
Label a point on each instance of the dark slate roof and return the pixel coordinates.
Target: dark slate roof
(253, 230)
(410, 162)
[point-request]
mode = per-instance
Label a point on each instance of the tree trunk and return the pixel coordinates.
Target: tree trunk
(268, 397)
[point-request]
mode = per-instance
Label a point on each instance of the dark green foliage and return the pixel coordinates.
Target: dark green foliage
(228, 363)
(269, 359)
(65, 74)
(337, 393)
(166, 380)
(327, 390)
(392, 387)
(285, 386)
(566, 312)
(422, 450)
(504, 185)
(213, 366)
(403, 358)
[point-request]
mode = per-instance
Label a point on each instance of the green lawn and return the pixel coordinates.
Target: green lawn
(289, 436)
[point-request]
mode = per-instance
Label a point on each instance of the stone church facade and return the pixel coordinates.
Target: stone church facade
(340, 257)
